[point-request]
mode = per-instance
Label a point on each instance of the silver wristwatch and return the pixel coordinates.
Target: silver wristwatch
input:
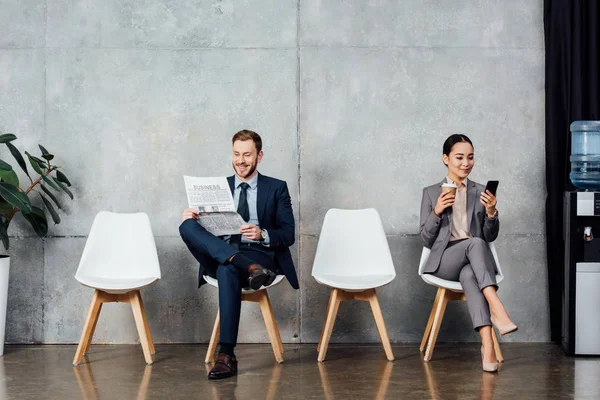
(263, 235)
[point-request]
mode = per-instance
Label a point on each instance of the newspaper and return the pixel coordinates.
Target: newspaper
(213, 196)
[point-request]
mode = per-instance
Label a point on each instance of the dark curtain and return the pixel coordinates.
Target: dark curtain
(572, 41)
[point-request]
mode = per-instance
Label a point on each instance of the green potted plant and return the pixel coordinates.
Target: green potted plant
(15, 199)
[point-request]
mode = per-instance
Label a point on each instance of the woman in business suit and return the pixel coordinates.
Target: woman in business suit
(457, 228)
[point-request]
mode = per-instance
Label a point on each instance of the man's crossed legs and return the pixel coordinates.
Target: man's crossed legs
(250, 265)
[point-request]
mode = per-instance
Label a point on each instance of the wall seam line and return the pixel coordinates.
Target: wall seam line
(299, 311)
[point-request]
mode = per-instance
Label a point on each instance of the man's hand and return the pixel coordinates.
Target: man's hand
(189, 213)
(252, 232)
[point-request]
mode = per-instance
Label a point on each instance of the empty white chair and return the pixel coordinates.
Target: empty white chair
(261, 297)
(118, 260)
(353, 258)
(448, 291)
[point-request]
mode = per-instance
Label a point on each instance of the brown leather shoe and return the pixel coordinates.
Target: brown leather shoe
(259, 276)
(225, 367)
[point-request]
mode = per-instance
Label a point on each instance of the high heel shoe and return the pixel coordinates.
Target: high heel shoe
(504, 330)
(488, 367)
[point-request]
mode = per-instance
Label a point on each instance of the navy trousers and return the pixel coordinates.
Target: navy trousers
(212, 253)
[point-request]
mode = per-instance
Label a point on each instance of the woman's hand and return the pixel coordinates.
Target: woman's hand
(445, 200)
(489, 202)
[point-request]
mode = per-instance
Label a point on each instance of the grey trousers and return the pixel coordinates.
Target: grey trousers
(471, 262)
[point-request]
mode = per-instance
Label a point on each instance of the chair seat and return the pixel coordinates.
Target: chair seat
(116, 285)
(451, 285)
(214, 282)
(354, 283)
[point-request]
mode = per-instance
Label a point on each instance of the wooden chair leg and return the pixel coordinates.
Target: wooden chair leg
(278, 334)
(437, 322)
(88, 328)
(323, 327)
(379, 321)
(147, 325)
(138, 314)
(499, 355)
(89, 343)
(334, 305)
(430, 321)
(272, 330)
(214, 337)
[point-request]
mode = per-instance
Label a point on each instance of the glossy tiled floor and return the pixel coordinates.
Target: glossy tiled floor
(531, 371)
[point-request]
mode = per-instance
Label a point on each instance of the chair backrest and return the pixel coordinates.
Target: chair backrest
(352, 243)
(499, 275)
(120, 245)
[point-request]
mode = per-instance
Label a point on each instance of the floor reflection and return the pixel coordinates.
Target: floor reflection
(87, 384)
(587, 373)
(226, 388)
(385, 372)
(487, 385)
(3, 394)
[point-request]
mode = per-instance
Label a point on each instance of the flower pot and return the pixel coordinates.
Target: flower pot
(4, 268)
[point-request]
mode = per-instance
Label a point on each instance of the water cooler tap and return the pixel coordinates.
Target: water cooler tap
(587, 234)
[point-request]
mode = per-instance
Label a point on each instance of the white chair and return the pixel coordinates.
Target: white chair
(118, 260)
(261, 297)
(448, 291)
(353, 258)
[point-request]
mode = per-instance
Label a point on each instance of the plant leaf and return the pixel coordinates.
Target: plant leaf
(17, 155)
(7, 137)
(5, 209)
(4, 222)
(63, 187)
(50, 208)
(34, 164)
(4, 166)
(12, 195)
(10, 177)
(37, 219)
(50, 183)
(45, 155)
(62, 178)
(39, 161)
(52, 196)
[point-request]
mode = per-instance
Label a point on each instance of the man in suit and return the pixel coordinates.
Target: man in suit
(254, 257)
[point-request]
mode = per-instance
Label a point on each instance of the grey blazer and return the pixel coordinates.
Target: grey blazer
(436, 231)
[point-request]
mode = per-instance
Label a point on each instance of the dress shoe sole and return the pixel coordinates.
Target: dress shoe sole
(256, 282)
(264, 279)
(217, 377)
(506, 329)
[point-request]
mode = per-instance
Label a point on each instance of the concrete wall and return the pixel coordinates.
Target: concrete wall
(353, 99)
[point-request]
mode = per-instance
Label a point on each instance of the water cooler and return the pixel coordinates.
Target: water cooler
(581, 293)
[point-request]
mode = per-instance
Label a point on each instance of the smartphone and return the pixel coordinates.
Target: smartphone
(492, 186)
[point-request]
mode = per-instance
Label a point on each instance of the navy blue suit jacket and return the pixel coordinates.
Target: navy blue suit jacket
(274, 209)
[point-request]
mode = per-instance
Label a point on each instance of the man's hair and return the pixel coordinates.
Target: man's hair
(245, 134)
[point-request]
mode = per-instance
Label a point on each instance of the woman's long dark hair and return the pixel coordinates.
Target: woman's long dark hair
(452, 140)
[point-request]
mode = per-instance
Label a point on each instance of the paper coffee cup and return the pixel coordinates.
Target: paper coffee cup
(449, 187)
